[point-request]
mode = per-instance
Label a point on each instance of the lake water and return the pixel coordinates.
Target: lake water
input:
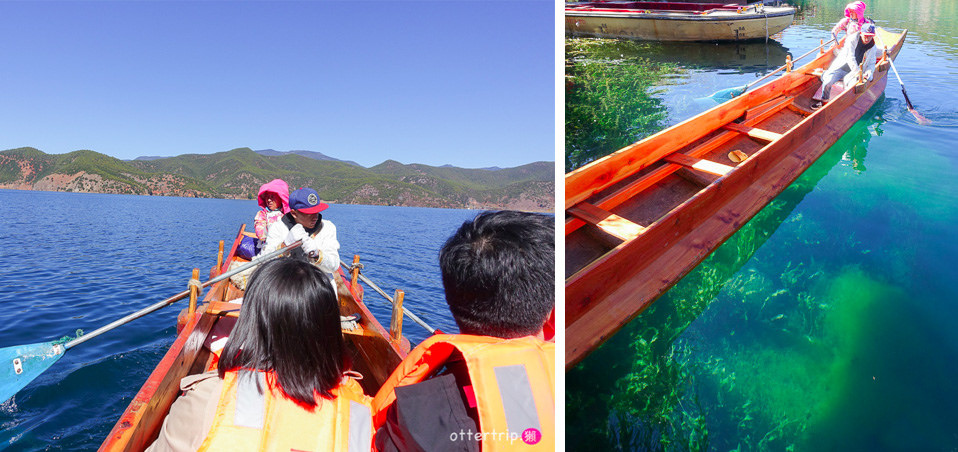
(79, 261)
(828, 321)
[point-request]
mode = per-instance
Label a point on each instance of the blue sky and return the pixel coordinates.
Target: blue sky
(467, 83)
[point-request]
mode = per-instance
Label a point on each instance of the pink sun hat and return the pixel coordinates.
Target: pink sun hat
(856, 8)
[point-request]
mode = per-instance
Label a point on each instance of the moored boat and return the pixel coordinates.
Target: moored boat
(640, 219)
(374, 351)
(676, 21)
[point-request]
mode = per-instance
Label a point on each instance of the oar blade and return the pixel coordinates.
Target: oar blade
(21, 364)
(919, 117)
(727, 94)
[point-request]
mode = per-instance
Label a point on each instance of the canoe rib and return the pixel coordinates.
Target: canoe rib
(612, 289)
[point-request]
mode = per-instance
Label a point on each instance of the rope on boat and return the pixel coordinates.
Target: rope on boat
(68, 338)
(195, 283)
(350, 322)
(369, 282)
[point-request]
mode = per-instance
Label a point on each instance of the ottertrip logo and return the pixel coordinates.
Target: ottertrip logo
(529, 436)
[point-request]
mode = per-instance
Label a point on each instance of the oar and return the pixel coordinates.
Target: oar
(918, 116)
(390, 299)
(21, 364)
(730, 93)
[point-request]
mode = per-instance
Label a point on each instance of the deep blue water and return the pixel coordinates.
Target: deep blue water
(73, 261)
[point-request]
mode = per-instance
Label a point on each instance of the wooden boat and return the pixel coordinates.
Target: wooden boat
(674, 21)
(375, 352)
(640, 219)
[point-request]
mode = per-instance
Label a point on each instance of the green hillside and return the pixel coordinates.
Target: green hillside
(240, 172)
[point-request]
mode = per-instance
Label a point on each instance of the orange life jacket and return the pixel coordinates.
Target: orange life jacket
(249, 420)
(513, 381)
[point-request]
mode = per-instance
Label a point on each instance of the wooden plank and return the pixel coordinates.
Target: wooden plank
(218, 307)
(706, 166)
(607, 221)
(758, 134)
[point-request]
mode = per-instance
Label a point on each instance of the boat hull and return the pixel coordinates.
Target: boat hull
(614, 285)
(678, 26)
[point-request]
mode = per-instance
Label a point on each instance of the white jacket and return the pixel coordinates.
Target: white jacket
(847, 56)
(325, 240)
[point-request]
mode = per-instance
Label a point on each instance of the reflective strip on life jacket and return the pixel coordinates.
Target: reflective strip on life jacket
(250, 402)
(515, 393)
(360, 427)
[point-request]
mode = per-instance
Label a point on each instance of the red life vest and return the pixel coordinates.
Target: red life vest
(513, 381)
(249, 420)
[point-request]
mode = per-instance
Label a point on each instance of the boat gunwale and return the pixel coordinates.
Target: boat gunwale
(677, 15)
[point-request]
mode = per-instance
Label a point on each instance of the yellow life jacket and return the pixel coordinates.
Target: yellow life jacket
(513, 381)
(249, 420)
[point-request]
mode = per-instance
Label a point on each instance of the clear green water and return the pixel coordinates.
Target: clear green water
(828, 322)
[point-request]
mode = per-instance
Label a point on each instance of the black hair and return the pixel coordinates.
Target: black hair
(289, 323)
(498, 272)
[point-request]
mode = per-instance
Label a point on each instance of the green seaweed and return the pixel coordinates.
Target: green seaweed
(610, 99)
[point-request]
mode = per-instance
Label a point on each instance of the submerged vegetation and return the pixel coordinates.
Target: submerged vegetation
(750, 351)
(610, 100)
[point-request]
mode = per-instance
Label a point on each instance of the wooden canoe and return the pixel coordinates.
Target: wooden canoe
(641, 218)
(374, 351)
(674, 21)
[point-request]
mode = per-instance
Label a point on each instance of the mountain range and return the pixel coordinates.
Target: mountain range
(240, 172)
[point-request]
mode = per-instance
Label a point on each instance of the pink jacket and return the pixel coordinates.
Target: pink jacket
(264, 217)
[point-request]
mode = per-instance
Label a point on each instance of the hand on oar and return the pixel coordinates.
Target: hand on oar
(21, 364)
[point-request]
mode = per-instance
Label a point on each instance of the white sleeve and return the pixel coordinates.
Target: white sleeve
(329, 246)
(275, 236)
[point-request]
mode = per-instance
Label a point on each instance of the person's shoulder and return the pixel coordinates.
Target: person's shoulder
(200, 381)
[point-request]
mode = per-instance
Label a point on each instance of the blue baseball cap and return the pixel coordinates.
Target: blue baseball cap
(868, 29)
(307, 201)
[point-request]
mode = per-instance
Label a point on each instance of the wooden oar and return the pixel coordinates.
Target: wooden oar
(729, 93)
(21, 364)
(911, 108)
(406, 311)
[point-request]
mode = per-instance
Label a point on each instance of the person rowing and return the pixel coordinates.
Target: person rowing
(858, 55)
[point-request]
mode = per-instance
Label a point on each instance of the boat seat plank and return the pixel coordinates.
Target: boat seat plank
(759, 134)
(220, 307)
(607, 221)
(706, 166)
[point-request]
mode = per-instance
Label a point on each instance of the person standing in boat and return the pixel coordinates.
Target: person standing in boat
(498, 273)
(283, 381)
(859, 55)
(852, 22)
(305, 222)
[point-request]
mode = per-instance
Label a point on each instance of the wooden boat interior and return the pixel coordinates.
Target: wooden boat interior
(632, 207)
(374, 352)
